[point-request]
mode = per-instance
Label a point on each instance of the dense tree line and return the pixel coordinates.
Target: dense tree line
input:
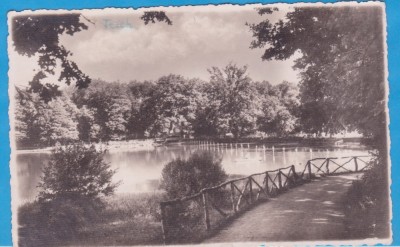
(229, 104)
(342, 87)
(341, 64)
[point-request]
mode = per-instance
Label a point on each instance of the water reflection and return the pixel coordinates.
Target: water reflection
(140, 171)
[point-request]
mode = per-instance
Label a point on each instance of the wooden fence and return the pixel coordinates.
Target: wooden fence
(191, 218)
(337, 165)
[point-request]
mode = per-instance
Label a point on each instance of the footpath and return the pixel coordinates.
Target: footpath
(313, 211)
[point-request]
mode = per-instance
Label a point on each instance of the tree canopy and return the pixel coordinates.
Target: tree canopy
(39, 34)
(341, 63)
(232, 95)
(171, 105)
(229, 103)
(340, 59)
(182, 177)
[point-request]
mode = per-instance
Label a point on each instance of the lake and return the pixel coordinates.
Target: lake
(140, 171)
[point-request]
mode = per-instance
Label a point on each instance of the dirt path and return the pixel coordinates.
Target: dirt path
(309, 212)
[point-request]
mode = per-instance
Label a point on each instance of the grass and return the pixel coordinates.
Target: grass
(130, 219)
(367, 205)
(131, 231)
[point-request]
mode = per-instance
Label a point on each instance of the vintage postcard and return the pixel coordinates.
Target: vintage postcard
(226, 125)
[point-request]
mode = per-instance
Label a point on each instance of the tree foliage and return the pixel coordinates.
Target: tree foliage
(39, 35)
(41, 124)
(279, 107)
(153, 16)
(139, 93)
(76, 172)
(231, 95)
(173, 105)
(341, 63)
(71, 190)
(108, 110)
(342, 87)
(182, 177)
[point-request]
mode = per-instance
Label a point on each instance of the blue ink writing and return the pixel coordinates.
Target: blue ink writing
(112, 24)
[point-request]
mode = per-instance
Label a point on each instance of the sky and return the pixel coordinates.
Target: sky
(118, 46)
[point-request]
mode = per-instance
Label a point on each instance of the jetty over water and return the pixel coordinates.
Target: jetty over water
(278, 205)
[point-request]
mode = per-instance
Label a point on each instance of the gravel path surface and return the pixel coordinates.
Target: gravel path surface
(313, 211)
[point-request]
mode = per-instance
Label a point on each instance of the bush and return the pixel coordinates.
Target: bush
(181, 178)
(70, 196)
(78, 223)
(186, 177)
(76, 172)
(53, 222)
(367, 204)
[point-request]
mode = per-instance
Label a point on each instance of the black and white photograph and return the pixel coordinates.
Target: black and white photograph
(220, 125)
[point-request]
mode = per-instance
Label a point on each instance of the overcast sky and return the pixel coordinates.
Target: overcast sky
(199, 38)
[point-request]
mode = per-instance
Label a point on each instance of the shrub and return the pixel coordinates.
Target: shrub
(182, 177)
(367, 204)
(76, 172)
(70, 196)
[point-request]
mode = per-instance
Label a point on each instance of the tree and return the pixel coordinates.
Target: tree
(186, 177)
(153, 16)
(39, 35)
(342, 87)
(109, 108)
(76, 172)
(288, 94)
(171, 106)
(59, 121)
(341, 63)
(231, 97)
(27, 130)
(274, 118)
(205, 123)
(139, 93)
(278, 108)
(87, 127)
(38, 123)
(71, 190)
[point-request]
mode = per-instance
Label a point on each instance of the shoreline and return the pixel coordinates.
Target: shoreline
(112, 146)
(149, 144)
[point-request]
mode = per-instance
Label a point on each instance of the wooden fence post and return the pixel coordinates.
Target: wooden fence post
(356, 164)
(327, 165)
(266, 183)
(309, 170)
(205, 209)
(294, 174)
(251, 189)
(279, 179)
(163, 224)
(233, 198)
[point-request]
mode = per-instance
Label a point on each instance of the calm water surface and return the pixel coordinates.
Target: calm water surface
(140, 171)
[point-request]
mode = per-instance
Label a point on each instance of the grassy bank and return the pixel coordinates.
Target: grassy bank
(132, 219)
(367, 211)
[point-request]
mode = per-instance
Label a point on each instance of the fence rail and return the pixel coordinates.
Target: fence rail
(188, 218)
